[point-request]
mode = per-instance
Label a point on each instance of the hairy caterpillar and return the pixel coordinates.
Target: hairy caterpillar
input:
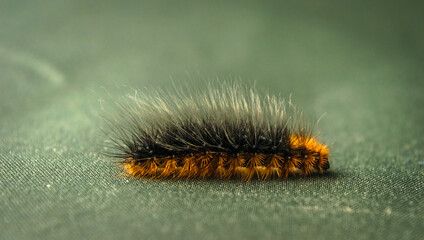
(225, 132)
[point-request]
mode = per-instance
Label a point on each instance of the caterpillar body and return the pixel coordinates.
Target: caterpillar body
(225, 132)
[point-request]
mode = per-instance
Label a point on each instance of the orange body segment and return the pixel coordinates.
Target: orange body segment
(306, 157)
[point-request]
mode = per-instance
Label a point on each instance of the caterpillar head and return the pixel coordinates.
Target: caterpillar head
(311, 154)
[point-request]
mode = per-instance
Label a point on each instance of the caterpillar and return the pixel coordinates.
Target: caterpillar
(218, 132)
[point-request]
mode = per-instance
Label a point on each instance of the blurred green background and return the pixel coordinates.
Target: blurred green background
(359, 62)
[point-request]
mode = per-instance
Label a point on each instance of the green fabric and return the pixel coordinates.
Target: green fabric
(360, 63)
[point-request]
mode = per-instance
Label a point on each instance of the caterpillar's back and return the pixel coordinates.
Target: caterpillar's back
(225, 132)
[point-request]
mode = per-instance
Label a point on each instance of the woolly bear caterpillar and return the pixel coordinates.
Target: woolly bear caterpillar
(225, 132)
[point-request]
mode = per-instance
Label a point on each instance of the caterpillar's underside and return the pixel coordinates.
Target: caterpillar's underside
(306, 156)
